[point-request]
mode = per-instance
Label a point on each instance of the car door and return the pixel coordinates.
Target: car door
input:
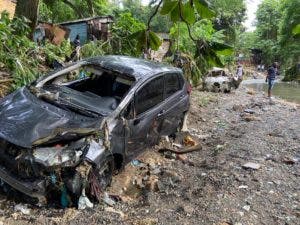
(176, 102)
(144, 128)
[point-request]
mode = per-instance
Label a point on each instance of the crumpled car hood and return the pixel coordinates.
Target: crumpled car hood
(26, 120)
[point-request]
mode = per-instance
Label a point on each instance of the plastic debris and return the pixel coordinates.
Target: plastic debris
(136, 162)
(64, 200)
(108, 200)
(84, 201)
(246, 207)
(251, 165)
(250, 111)
(189, 141)
(243, 187)
(22, 208)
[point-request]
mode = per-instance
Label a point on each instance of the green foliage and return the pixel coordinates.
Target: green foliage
(289, 40)
(186, 10)
(296, 30)
(56, 11)
(22, 57)
(207, 50)
(229, 17)
(123, 32)
(95, 48)
(268, 18)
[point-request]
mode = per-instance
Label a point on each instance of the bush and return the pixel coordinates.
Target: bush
(23, 58)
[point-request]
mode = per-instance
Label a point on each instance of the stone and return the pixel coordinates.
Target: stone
(246, 207)
(251, 165)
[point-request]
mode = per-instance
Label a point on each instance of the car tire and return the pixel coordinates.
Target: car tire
(105, 172)
(100, 177)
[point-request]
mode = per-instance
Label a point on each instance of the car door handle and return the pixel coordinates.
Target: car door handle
(181, 96)
(161, 113)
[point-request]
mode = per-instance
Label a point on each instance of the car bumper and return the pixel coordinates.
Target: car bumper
(35, 189)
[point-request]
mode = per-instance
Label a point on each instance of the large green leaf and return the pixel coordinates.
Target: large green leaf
(188, 13)
(168, 6)
(222, 49)
(203, 9)
(141, 37)
(175, 15)
(210, 52)
(296, 30)
(154, 40)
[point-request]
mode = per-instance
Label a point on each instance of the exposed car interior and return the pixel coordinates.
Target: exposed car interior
(91, 87)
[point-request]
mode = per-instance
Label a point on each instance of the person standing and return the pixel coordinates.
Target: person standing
(270, 78)
(239, 72)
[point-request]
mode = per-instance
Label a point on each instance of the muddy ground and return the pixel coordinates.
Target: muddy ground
(209, 186)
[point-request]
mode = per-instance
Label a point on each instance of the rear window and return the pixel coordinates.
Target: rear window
(173, 83)
(150, 95)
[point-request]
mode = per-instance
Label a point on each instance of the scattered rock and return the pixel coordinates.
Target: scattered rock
(243, 187)
(250, 111)
(146, 221)
(289, 161)
(251, 92)
(246, 207)
(112, 210)
(108, 200)
(250, 117)
(251, 165)
(238, 108)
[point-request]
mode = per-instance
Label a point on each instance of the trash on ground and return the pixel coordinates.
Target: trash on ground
(251, 165)
(189, 141)
(22, 208)
(84, 201)
(250, 111)
(182, 151)
(112, 210)
(108, 200)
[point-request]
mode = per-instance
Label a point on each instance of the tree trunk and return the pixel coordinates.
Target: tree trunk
(76, 10)
(91, 7)
(28, 9)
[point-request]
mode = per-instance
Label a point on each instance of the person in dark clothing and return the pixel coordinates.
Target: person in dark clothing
(271, 76)
(76, 41)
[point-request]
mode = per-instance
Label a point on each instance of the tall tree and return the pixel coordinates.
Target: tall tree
(28, 9)
(268, 18)
(229, 17)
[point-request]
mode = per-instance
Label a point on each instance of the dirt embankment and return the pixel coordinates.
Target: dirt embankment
(209, 186)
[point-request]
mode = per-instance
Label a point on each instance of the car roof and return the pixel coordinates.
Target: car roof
(134, 67)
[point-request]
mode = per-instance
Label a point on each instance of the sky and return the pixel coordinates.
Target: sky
(251, 9)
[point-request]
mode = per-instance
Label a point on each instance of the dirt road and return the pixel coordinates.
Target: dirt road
(210, 186)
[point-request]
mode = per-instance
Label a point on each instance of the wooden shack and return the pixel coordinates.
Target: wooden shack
(89, 28)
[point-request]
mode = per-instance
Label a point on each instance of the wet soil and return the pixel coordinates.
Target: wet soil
(209, 186)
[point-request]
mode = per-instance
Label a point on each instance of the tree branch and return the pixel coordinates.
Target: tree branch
(72, 6)
(91, 7)
(154, 13)
(149, 22)
(187, 24)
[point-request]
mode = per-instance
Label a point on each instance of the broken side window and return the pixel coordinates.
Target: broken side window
(149, 95)
(172, 84)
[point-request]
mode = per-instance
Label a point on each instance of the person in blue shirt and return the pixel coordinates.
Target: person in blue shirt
(271, 76)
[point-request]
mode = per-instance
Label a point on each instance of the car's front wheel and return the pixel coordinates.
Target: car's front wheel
(100, 177)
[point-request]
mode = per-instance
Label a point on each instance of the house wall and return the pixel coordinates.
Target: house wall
(9, 6)
(78, 28)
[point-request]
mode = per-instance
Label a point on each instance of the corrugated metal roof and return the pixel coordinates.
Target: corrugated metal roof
(109, 18)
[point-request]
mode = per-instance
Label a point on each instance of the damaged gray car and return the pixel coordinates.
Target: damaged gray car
(68, 131)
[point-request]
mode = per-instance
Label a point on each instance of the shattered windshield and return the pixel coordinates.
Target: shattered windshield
(86, 90)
